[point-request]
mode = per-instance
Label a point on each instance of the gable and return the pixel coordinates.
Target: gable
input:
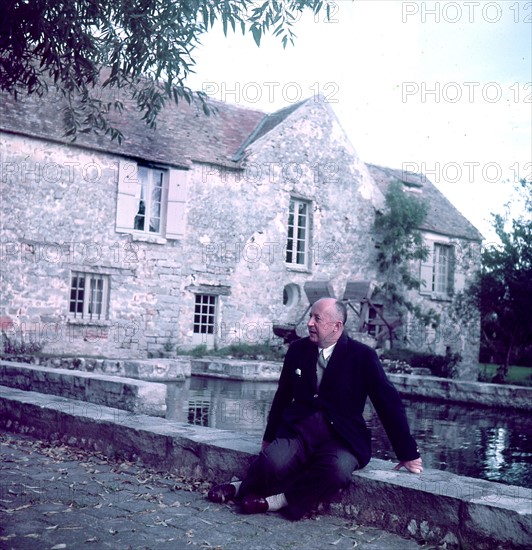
(442, 216)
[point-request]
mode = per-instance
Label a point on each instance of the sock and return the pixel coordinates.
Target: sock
(276, 502)
(236, 484)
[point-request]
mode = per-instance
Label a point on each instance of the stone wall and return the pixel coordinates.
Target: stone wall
(123, 393)
(62, 206)
(458, 329)
(61, 218)
(435, 507)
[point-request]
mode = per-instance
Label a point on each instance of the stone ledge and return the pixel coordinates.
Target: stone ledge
(179, 368)
(236, 369)
(123, 393)
(160, 370)
(461, 391)
(437, 507)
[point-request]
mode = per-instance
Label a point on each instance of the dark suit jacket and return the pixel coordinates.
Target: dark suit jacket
(353, 373)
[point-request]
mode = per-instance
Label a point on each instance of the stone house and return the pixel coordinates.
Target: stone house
(202, 231)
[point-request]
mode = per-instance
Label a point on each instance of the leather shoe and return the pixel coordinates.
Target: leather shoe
(254, 505)
(222, 493)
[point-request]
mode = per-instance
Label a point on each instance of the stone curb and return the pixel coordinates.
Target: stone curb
(437, 507)
(462, 391)
(124, 393)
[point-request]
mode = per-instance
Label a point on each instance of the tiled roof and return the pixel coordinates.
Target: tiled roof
(268, 123)
(184, 132)
(442, 216)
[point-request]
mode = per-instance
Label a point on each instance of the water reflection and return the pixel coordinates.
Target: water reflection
(472, 441)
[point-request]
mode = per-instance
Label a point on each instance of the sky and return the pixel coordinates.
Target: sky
(443, 88)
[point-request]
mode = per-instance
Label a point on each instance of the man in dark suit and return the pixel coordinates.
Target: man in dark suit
(316, 435)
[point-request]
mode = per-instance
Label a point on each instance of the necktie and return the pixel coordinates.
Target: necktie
(322, 364)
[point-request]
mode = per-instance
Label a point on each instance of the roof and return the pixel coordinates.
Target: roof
(184, 132)
(268, 123)
(442, 216)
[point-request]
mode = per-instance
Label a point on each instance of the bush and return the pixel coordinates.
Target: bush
(443, 366)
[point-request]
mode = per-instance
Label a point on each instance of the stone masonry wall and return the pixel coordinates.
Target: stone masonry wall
(59, 212)
(59, 217)
(242, 245)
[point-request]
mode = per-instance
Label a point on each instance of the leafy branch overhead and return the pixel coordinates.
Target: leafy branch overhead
(88, 51)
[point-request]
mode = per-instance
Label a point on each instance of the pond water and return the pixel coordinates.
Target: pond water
(480, 442)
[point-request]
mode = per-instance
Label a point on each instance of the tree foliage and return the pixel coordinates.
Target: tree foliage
(504, 286)
(143, 46)
(401, 243)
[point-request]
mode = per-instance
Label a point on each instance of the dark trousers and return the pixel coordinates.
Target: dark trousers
(309, 466)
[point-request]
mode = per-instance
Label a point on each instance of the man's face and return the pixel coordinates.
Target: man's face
(323, 327)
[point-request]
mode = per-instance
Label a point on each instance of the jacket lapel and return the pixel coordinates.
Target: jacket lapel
(336, 359)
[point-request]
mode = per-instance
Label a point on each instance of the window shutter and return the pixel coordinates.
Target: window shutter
(125, 200)
(426, 272)
(451, 270)
(177, 196)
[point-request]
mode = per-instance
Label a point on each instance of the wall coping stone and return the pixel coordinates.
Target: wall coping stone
(437, 507)
(461, 391)
(124, 393)
(505, 396)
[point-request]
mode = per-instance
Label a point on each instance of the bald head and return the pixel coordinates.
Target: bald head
(326, 322)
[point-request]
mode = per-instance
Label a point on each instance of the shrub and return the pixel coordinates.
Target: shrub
(443, 366)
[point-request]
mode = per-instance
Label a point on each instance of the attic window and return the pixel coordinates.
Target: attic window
(412, 189)
(412, 181)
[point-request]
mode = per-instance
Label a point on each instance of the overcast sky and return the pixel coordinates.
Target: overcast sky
(439, 87)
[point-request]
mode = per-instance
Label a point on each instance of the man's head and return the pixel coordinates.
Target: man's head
(326, 321)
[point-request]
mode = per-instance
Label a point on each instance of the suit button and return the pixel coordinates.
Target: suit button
(315, 396)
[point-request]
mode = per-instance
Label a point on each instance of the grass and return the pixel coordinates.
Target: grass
(521, 376)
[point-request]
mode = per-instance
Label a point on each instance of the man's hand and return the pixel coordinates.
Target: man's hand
(413, 466)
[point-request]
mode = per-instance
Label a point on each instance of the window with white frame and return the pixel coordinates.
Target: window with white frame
(204, 319)
(437, 272)
(297, 244)
(151, 201)
(149, 195)
(89, 296)
(440, 275)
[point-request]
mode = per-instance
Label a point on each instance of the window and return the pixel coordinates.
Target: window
(440, 273)
(204, 319)
(298, 233)
(291, 295)
(437, 273)
(149, 197)
(89, 295)
(151, 202)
